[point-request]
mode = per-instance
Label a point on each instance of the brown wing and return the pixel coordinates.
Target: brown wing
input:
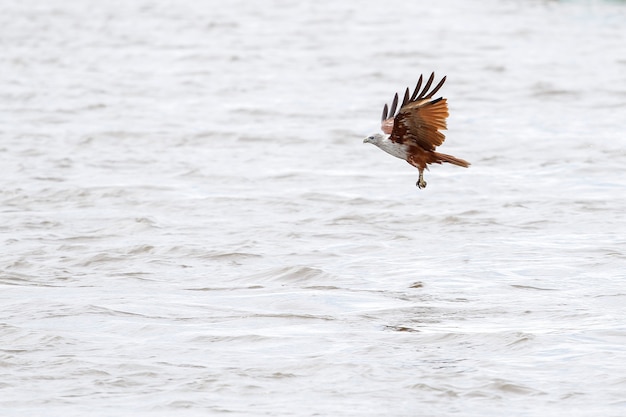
(419, 118)
(421, 122)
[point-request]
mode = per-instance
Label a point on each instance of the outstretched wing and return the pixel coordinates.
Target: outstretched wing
(419, 118)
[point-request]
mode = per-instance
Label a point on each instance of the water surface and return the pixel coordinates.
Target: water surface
(192, 225)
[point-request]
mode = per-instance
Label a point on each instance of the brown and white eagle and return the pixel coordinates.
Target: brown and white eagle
(414, 132)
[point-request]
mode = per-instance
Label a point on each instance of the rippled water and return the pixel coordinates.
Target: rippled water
(192, 225)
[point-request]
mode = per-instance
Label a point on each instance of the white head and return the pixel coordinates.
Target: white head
(374, 139)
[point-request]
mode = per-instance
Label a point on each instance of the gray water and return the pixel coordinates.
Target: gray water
(191, 224)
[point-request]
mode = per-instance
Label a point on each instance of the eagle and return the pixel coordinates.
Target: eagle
(413, 133)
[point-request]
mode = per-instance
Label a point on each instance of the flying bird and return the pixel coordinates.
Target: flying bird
(413, 133)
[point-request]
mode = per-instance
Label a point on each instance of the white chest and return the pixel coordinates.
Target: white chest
(393, 148)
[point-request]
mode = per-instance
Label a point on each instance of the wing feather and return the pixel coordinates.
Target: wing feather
(394, 104)
(419, 118)
(427, 86)
(437, 87)
(387, 125)
(421, 123)
(406, 98)
(417, 88)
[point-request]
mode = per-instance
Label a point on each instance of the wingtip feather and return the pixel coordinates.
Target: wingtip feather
(392, 112)
(406, 97)
(417, 88)
(427, 86)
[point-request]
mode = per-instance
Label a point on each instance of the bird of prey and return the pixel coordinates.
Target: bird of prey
(413, 133)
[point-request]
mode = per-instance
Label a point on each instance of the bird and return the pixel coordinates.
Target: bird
(413, 133)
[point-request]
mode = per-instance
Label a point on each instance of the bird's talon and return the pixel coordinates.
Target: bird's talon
(420, 182)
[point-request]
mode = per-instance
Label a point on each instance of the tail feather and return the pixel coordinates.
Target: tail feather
(442, 157)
